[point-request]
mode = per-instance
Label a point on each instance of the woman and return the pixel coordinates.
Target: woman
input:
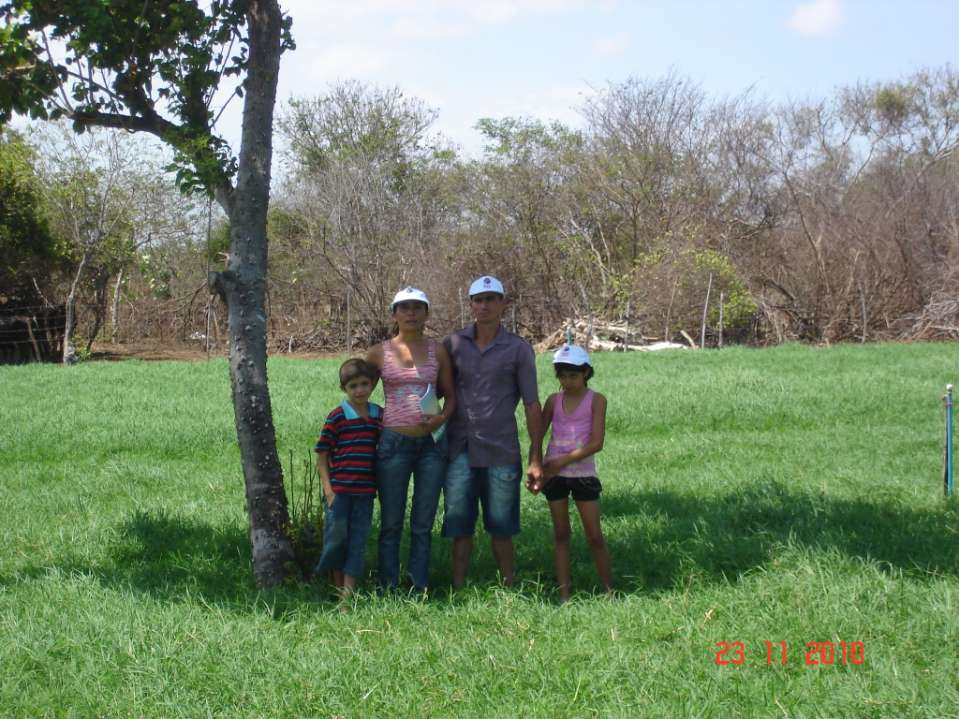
(414, 369)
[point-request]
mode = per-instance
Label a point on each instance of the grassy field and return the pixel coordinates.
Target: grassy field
(784, 495)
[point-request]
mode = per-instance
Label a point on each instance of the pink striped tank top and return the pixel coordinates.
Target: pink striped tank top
(404, 386)
(572, 431)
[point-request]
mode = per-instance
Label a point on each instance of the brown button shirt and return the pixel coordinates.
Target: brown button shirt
(489, 384)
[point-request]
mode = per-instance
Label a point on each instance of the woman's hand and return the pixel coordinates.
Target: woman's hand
(432, 422)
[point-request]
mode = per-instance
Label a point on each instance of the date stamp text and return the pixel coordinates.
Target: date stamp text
(813, 654)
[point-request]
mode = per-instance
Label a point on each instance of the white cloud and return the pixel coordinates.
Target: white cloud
(559, 103)
(614, 44)
(334, 63)
(427, 95)
(819, 17)
(424, 27)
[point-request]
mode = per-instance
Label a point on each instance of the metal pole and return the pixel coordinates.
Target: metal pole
(722, 299)
(702, 333)
(209, 317)
(626, 333)
(349, 319)
(209, 270)
(947, 473)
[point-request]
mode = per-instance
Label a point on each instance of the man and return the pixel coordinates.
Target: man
(492, 370)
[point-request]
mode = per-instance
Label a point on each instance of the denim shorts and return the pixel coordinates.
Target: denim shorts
(495, 488)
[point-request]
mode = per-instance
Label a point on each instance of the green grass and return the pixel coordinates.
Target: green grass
(791, 494)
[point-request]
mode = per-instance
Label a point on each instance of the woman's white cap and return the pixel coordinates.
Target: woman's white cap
(571, 354)
(409, 294)
(486, 283)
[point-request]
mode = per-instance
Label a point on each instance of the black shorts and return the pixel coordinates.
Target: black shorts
(583, 489)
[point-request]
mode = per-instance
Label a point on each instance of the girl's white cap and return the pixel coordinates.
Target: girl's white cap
(486, 283)
(409, 294)
(571, 354)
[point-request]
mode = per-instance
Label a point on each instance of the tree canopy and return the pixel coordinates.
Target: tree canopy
(153, 66)
(25, 238)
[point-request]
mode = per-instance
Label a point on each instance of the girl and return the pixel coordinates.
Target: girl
(578, 417)
(412, 367)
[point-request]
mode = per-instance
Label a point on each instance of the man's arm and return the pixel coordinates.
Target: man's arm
(529, 391)
(534, 481)
(534, 426)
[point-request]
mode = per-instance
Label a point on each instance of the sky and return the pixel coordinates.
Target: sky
(471, 59)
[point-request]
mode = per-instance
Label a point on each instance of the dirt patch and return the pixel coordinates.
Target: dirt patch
(152, 351)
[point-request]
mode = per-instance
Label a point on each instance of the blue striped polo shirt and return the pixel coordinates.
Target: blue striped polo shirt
(350, 440)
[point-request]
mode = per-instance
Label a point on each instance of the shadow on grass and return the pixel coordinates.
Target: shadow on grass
(658, 540)
(676, 538)
(168, 556)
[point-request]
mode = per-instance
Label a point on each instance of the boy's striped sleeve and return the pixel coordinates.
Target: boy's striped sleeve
(327, 439)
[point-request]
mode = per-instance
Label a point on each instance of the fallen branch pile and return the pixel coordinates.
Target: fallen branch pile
(604, 337)
(938, 320)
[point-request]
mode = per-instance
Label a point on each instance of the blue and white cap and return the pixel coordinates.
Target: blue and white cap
(409, 294)
(571, 354)
(486, 283)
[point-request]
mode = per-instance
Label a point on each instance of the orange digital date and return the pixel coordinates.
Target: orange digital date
(817, 654)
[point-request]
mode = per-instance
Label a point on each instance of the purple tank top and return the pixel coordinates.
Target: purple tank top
(572, 431)
(404, 386)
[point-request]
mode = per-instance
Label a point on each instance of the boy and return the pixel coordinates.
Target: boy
(345, 460)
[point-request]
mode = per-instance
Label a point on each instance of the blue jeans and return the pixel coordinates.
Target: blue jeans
(398, 456)
(496, 488)
(346, 527)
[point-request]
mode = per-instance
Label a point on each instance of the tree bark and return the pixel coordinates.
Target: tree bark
(100, 282)
(69, 325)
(242, 287)
(115, 310)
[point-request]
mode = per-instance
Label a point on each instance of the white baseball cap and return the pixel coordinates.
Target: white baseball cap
(487, 283)
(571, 354)
(409, 294)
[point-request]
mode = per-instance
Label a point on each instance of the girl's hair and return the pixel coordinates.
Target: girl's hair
(584, 368)
(353, 368)
(393, 308)
(395, 327)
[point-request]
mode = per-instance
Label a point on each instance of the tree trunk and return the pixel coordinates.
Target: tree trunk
(99, 306)
(115, 310)
(242, 286)
(69, 325)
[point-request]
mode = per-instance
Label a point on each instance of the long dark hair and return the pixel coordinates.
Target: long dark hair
(586, 369)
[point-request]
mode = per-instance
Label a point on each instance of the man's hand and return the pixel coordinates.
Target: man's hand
(534, 476)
